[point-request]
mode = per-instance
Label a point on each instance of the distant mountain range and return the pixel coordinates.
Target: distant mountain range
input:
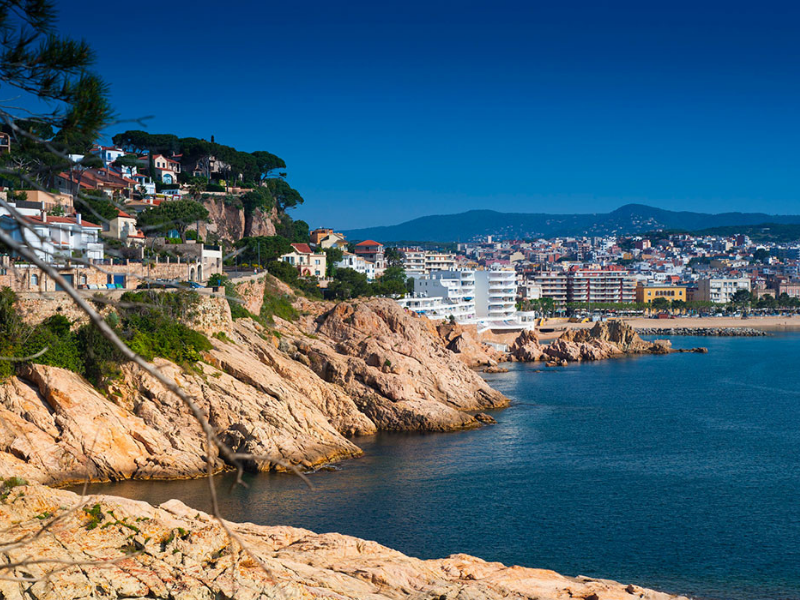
(628, 219)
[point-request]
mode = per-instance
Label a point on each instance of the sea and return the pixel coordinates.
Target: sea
(679, 472)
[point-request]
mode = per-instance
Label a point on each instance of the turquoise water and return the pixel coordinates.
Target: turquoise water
(676, 472)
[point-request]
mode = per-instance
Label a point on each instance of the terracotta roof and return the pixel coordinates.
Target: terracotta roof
(138, 234)
(75, 180)
(66, 220)
(302, 248)
(369, 243)
(123, 214)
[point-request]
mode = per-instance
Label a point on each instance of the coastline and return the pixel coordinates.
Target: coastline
(308, 360)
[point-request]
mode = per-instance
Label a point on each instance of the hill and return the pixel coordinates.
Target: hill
(763, 232)
(628, 219)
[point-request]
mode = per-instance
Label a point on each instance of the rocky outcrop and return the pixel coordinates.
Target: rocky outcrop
(395, 367)
(291, 395)
(526, 348)
(606, 339)
(228, 220)
(461, 342)
(107, 547)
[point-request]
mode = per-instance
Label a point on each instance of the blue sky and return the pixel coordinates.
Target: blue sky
(386, 111)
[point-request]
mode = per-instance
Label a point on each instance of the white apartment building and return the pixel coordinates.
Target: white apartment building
(605, 285)
(495, 295)
(413, 261)
(439, 261)
(417, 262)
(442, 294)
(720, 289)
(437, 307)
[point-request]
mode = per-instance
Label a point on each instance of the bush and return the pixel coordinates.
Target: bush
(215, 187)
(278, 305)
(283, 271)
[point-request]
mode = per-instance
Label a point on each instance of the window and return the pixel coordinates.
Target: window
(34, 279)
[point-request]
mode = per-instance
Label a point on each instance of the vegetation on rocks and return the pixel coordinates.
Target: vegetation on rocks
(149, 322)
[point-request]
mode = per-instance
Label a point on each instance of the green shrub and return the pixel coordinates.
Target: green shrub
(278, 305)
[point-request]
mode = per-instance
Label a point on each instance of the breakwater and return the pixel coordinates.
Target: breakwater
(704, 331)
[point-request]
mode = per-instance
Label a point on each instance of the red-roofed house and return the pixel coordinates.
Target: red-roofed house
(373, 252)
(123, 228)
(106, 180)
(167, 169)
(307, 262)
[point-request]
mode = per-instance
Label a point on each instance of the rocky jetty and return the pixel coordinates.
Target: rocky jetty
(107, 547)
(704, 331)
(606, 339)
(292, 394)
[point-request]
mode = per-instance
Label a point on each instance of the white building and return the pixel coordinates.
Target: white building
(108, 154)
(437, 307)
(418, 262)
(720, 289)
(53, 238)
(444, 293)
(454, 285)
(358, 264)
(495, 295)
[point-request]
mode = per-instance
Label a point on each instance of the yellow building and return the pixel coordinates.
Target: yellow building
(645, 294)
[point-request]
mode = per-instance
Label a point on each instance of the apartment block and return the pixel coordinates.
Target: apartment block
(720, 289)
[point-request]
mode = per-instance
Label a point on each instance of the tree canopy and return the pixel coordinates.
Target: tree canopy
(262, 249)
(251, 166)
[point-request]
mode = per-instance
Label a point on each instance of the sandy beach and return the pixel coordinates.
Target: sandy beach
(554, 328)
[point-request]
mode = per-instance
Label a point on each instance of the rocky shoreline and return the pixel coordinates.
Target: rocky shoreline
(607, 339)
(292, 393)
(110, 547)
(704, 331)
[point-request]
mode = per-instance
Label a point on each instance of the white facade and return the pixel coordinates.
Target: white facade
(358, 264)
(53, 238)
(437, 307)
(108, 154)
(495, 294)
(444, 293)
(417, 262)
(720, 289)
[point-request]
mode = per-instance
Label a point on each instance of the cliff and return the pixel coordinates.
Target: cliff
(292, 394)
(229, 221)
(128, 549)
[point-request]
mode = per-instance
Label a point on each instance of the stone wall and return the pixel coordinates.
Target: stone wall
(21, 278)
(211, 314)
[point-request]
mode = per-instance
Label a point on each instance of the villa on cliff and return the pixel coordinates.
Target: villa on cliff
(307, 262)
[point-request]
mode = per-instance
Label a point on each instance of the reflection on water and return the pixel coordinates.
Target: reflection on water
(678, 472)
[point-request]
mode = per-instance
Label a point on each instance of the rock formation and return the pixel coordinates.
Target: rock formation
(291, 395)
(526, 348)
(461, 341)
(605, 340)
(228, 220)
(129, 549)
